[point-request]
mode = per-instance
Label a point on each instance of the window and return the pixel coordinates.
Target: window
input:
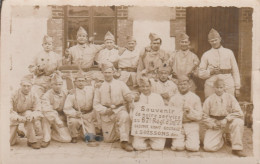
(95, 20)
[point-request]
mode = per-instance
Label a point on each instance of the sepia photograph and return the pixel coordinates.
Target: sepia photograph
(128, 81)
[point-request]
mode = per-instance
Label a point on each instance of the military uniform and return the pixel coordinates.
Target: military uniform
(43, 65)
(139, 143)
(114, 95)
(223, 59)
(184, 63)
(54, 123)
(84, 99)
(127, 64)
(23, 106)
(216, 108)
(151, 60)
(189, 138)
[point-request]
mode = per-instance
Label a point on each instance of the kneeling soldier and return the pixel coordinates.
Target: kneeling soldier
(221, 111)
(25, 108)
(54, 122)
(79, 107)
(192, 113)
(110, 101)
(147, 97)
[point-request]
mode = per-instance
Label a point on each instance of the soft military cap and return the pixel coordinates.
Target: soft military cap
(27, 79)
(109, 36)
(82, 31)
(153, 37)
(183, 36)
(56, 77)
(46, 39)
(213, 34)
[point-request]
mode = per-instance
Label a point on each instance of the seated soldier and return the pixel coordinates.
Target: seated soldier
(79, 109)
(165, 87)
(54, 122)
(221, 111)
(147, 97)
(25, 108)
(110, 102)
(192, 113)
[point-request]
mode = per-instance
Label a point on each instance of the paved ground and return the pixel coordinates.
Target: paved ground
(113, 150)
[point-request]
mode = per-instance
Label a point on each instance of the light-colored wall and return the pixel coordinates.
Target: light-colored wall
(28, 25)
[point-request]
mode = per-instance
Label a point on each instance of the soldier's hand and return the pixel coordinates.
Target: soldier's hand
(131, 106)
(136, 96)
(215, 71)
(223, 123)
(237, 93)
(165, 95)
(21, 119)
(186, 109)
(109, 112)
(78, 114)
(29, 118)
(216, 127)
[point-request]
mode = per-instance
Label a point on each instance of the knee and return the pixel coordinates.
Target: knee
(209, 147)
(178, 148)
(124, 117)
(193, 147)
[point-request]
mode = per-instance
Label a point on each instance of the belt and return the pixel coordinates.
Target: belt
(128, 69)
(218, 117)
(116, 106)
(86, 111)
(225, 71)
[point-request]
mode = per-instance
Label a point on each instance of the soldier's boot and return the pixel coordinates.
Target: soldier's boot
(20, 133)
(126, 146)
(45, 144)
(34, 145)
(74, 140)
(239, 153)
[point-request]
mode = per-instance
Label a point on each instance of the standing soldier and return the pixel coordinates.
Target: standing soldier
(151, 58)
(43, 65)
(219, 62)
(54, 123)
(79, 107)
(127, 63)
(83, 53)
(110, 53)
(148, 97)
(222, 112)
(111, 101)
(184, 62)
(190, 103)
(25, 108)
(163, 86)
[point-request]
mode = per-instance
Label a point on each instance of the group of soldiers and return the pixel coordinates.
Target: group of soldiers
(103, 97)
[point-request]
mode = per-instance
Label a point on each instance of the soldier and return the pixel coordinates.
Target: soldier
(148, 97)
(25, 108)
(83, 53)
(79, 107)
(54, 122)
(43, 65)
(190, 103)
(151, 58)
(221, 112)
(219, 62)
(165, 87)
(184, 62)
(110, 101)
(127, 63)
(110, 53)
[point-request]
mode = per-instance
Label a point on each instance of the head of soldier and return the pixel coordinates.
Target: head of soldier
(145, 86)
(183, 84)
(109, 40)
(80, 80)
(156, 41)
(214, 39)
(164, 72)
(184, 42)
(219, 86)
(131, 43)
(26, 84)
(56, 83)
(47, 43)
(108, 71)
(82, 36)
